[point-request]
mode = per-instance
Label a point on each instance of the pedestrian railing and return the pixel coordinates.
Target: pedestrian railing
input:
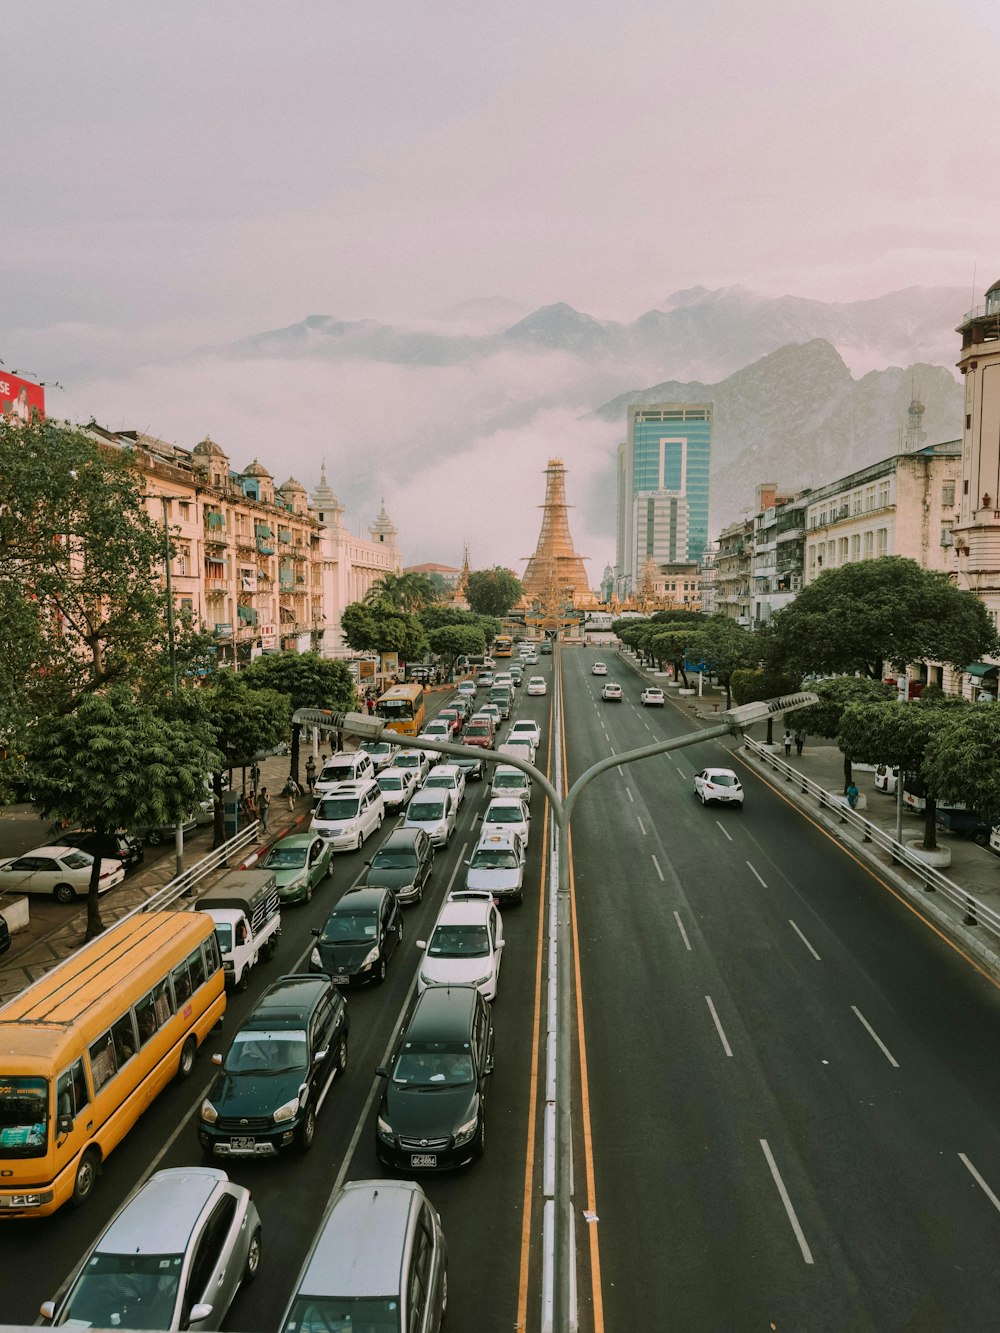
(181, 886)
(975, 911)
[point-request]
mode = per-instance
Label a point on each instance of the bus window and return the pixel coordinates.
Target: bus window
(145, 1018)
(182, 984)
(71, 1091)
(163, 1004)
(24, 1116)
(196, 968)
(102, 1060)
(212, 956)
(123, 1033)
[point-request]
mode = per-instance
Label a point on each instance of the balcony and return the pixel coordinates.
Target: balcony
(284, 535)
(265, 546)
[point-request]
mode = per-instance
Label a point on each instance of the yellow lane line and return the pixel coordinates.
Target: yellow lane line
(529, 1161)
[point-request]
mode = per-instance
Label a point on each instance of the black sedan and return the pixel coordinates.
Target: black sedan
(359, 938)
(403, 864)
(108, 846)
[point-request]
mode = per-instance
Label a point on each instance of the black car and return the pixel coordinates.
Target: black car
(403, 863)
(108, 846)
(545, 648)
(472, 768)
(277, 1072)
(432, 1115)
(359, 937)
(4, 935)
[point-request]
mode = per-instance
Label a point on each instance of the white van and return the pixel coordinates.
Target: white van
(348, 814)
(348, 766)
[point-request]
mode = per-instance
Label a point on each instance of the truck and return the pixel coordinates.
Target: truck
(247, 913)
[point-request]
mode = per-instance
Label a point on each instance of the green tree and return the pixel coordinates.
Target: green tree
(453, 641)
(244, 722)
(749, 684)
(960, 761)
(436, 617)
(824, 718)
(492, 592)
(116, 761)
(308, 681)
(728, 647)
(899, 733)
(401, 592)
(372, 628)
(870, 613)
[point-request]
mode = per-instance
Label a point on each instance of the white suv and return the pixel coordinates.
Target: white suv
(348, 766)
(348, 814)
(466, 946)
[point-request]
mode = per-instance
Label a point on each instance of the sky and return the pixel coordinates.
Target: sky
(181, 176)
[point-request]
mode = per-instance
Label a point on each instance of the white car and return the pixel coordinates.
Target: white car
(418, 761)
(397, 785)
(436, 731)
(504, 678)
(348, 814)
(434, 812)
(493, 713)
(450, 777)
(62, 872)
(466, 946)
(484, 679)
(599, 669)
(612, 690)
(536, 685)
(652, 696)
(718, 784)
(383, 755)
(497, 865)
(520, 747)
(526, 727)
(468, 688)
(886, 779)
(510, 781)
(529, 657)
(507, 814)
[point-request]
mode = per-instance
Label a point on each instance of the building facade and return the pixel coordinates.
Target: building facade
(663, 480)
(733, 568)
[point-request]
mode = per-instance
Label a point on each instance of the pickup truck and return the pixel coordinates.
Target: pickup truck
(967, 824)
(247, 914)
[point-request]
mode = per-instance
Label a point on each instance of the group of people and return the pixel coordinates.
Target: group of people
(788, 740)
(256, 805)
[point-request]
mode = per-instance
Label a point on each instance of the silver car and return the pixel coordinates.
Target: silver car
(174, 1256)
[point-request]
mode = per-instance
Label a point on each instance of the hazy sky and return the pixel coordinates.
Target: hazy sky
(180, 175)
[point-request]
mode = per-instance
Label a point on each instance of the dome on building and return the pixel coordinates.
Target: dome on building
(207, 448)
(256, 469)
(291, 487)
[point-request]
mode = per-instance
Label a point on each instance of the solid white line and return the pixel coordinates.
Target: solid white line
(981, 1182)
(754, 872)
(718, 1026)
(724, 830)
(684, 936)
(629, 795)
(641, 825)
(658, 870)
(874, 1036)
(776, 1175)
(804, 940)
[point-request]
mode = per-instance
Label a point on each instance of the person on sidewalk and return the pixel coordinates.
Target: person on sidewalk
(852, 796)
(800, 740)
(310, 774)
(264, 806)
(291, 789)
(786, 741)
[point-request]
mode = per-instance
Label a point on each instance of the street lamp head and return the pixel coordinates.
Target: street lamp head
(351, 724)
(760, 710)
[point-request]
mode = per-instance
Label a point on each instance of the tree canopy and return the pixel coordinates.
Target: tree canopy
(960, 760)
(824, 718)
(401, 592)
(375, 628)
(308, 681)
(453, 641)
(245, 721)
(870, 613)
(492, 592)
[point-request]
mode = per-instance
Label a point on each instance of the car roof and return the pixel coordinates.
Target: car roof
(506, 800)
(399, 837)
(361, 1242)
(160, 1218)
(730, 771)
(471, 912)
(507, 769)
(441, 1011)
(287, 1001)
(352, 788)
(396, 772)
(298, 840)
(55, 849)
(501, 838)
(366, 895)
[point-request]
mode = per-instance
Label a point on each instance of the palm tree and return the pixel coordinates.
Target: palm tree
(401, 592)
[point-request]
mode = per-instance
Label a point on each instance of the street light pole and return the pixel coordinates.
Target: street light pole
(172, 658)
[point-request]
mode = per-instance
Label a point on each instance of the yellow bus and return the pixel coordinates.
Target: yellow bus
(402, 708)
(503, 646)
(86, 1048)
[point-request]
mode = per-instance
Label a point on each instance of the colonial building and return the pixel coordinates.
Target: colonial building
(733, 569)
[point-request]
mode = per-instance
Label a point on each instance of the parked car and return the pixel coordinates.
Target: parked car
(300, 862)
(967, 824)
(886, 779)
(154, 834)
(109, 846)
(358, 937)
(403, 863)
(172, 1257)
(63, 872)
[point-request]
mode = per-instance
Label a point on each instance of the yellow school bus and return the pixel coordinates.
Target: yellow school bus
(86, 1048)
(503, 645)
(402, 708)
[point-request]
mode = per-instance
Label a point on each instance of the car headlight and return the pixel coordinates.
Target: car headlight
(370, 957)
(428, 981)
(465, 1132)
(208, 1112)
(480, 981)
(315, 959)
(286, 1112)
(384, 1129)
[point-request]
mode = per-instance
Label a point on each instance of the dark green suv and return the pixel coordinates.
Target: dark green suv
(278, 1070)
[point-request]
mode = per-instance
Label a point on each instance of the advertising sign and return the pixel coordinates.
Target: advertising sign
(19, 398)
(390, 663)
(366, 670)
(269, 636)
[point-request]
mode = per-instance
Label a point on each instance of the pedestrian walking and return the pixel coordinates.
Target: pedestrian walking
(786, 741)
(291, 789)
(371, 706)
(264, 806)
(800, 740)
(255, 775)
(310, 774)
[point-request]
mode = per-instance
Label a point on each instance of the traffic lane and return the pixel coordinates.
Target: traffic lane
(761, 962)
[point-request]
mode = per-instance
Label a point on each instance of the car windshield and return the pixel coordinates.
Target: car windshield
(24, 1116)
(488, 858)
(77, 860)
(387, 859)
(340, 807)
(224, 934)
(504, 814)
(509, 779)
(285, 858)
(424, 811)
(390, 784)
(459, 942)
(343, 1314)
(478, 729)
(376, 747)
(337, 773)
(722, 779)
(440, 780)
(433, 1064)
(257, 1051)
(126, 1290)
(351, 927)
(409, 761)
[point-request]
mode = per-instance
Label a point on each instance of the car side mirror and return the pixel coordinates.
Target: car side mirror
(216, 1059)
(421, 944)
(367, 863)
(320, 1056)
(467, 863)
(381, 1072)
(47, 1309)
(315, 929)
(65, 1124)
(199, 1312)
(488, 1066)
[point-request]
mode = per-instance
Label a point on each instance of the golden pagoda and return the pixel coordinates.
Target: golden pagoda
(555, 572)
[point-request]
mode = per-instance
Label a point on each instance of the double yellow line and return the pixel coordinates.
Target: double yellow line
(597, 1302)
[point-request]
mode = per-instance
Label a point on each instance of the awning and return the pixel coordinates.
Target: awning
(981, 669)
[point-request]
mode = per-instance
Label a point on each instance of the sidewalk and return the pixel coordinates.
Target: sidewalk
(974, 869)
(35, 950)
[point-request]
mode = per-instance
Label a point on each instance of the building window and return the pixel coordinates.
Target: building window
(869, 499)
(856, 546)
(947, 494)
(856, 503)
(882, 543)
(842, 557)
(869, 544)
(883, 494)
(185, 507)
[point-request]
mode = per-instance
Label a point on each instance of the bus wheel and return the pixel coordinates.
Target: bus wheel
(188, 1052)
(86, 1177)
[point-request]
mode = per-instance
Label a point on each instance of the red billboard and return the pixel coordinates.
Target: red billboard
(19, 398)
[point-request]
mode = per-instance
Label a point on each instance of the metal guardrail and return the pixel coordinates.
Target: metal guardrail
(182, 885)
(976, 912)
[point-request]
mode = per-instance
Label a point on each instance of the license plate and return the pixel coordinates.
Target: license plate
(242, 1145)
(341, 981)
(423, 1159)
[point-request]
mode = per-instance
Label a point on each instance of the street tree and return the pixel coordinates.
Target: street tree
(824, 718)
(492, 592)
(119, 761)
(453, 641)
(401, 592)
(897, 733)
(674, 646)
(728, 647)
(244, 722)
(750, 684)
(374, 628)
(960, 761)
(308, 681)
(870, 614)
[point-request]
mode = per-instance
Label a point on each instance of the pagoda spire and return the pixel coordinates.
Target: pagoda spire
(556, 568)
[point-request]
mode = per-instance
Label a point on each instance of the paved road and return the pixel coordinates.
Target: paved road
(792, 1091)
